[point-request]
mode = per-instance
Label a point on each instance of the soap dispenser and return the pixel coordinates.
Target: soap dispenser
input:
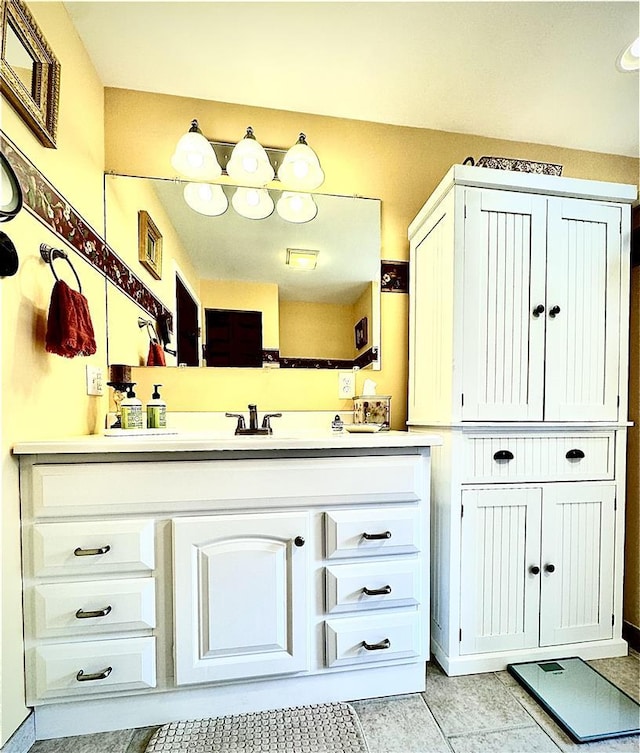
(131, 409)
(156, 410)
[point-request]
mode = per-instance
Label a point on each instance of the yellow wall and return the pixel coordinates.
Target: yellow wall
(316, 330)
(632, 532)
(44, 395)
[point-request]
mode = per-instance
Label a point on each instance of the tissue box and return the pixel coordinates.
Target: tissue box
(372, 409)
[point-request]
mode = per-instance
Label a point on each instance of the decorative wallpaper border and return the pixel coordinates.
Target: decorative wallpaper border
(50, 207)
(364, 359)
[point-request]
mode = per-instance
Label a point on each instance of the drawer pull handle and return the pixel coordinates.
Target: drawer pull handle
(386, 643)
(81, 677)
(82, 615)
(375, 536)
(574, 455)
(80, 552)
(376, 591)
(503, 455)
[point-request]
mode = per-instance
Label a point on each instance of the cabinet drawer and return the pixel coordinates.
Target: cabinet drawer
(92, 667)
(372, 639)
(366, 532)
(93, 607)
(88, 547)
(556, 457)
(372, 585)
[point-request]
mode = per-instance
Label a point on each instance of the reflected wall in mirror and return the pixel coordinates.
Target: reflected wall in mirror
(29, 71)
(217, 266)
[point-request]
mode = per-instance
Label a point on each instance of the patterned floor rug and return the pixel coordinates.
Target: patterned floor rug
(322, 728)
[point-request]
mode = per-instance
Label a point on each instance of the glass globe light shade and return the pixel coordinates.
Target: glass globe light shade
(249, 163)
(252, 203)
(629, 58)
(194, 156)
(206, 198)
(296, 207)
(300, 168)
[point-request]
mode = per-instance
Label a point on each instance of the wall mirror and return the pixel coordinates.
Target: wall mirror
(223, 273)
(29, 71)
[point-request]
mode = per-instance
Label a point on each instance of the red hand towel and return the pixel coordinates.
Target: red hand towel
(156, 355)
(69, 326)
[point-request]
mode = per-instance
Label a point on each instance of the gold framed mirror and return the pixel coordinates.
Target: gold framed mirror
(29, 72)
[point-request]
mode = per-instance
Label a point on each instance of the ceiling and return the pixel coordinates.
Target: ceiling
(542, 72)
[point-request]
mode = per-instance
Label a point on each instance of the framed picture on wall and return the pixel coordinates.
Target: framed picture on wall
(149, 245)
(29, 71)
(362, 333)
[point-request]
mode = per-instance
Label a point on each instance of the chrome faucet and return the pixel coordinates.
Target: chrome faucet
(241, 426)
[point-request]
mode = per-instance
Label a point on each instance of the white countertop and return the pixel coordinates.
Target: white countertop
(204, 441)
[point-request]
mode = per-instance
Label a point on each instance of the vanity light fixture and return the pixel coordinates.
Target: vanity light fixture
(249, 163)
(206, 198)
(296, 207)
(629, 58)
(300, 258)
(300, 168)
(252, 203)
(194, 156)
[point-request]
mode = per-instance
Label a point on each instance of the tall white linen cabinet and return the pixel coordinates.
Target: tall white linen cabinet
(518, 338)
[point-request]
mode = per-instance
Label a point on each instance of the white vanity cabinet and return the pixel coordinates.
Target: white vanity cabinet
(518, 355)
(167, 579)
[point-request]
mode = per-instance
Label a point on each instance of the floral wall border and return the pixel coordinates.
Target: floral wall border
(50, 207)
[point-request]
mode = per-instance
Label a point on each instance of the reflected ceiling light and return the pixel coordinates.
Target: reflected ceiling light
(194, 156)
(296, 207)
(206, 198)
(249, 163)
(301, 258)
(300, 167)
(629, 58)
(252, 203)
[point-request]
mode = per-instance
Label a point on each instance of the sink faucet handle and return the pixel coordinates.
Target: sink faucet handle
(266, 420)
(241, 424)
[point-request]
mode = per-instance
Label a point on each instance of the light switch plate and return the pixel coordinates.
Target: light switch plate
(95, 380)
(346, 384)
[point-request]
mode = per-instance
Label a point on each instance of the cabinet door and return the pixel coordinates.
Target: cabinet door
(499, 595)
(504, 281)
(240, 596)
(583, 311)
(577, 563)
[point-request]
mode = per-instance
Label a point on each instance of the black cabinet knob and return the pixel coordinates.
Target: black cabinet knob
(549, 568)
(539, 309)
(299, 541)
(554, 311)
(534, 570)
(503, 455)
(574, 455)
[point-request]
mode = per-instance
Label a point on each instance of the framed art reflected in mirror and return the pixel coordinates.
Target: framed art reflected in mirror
(29, 72)
(149, 245)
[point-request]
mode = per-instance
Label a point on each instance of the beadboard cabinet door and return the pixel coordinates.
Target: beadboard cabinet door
(537, 566)
(240, 596)
(541, 308)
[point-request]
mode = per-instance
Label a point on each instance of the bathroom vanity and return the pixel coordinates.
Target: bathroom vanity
(175, 577)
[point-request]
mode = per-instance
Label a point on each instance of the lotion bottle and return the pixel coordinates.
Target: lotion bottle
(131, 409)
(156, 410)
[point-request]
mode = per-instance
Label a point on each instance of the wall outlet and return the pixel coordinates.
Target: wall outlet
(95, 380)
(346, 384)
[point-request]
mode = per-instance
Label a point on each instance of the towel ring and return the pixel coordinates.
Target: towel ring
(151, 330)
(48, 254)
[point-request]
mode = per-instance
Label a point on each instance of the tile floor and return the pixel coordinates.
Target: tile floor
(486, 713)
